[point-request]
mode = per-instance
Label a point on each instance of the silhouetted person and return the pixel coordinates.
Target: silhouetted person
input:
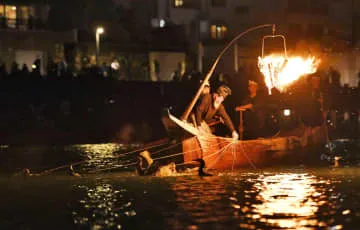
(14, 68)
(3, 73)
(25, 70)
(253, 115)
(311, 103)
(36, 67)
(51, 69)
(334, 76)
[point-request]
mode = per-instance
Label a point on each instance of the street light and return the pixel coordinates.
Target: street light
(99, 31)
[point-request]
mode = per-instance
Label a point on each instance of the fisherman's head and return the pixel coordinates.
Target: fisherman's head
(253, 86)
(221, 93)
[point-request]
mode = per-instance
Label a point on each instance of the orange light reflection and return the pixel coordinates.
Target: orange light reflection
(286, 200)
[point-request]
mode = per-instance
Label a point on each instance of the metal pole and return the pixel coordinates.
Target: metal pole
(241, 125)
(97, 48)
(208, 75)
(200, 57)
(236, 58)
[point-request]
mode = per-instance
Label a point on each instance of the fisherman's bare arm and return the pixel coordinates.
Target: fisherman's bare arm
(201, 108)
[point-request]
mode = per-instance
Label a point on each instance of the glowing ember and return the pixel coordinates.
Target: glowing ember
(281, 72)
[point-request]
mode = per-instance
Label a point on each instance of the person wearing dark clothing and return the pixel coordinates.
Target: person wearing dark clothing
(211, 105)
(253, 115)
(310, 107)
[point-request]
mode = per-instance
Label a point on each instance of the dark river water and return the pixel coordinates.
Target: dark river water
(287, 197)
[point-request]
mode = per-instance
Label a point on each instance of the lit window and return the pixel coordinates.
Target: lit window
(158, 23)
(218, 31)
(178, 3)
(189, 4)
(10, 13)
(2, 9)
(26, 14)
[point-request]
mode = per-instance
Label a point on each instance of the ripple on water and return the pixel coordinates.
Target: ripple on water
(102, 206)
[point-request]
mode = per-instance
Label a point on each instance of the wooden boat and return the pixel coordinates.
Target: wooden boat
(225, 153)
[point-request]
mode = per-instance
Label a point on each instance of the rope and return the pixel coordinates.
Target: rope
(234, 158)
(250, 161)
(173, 155)
(216, 137)
(115, 167)
(166, 148)
(219, 152)
(46, 172)
(130, 164)
(223, 148)
(142, 149)
(186, 163)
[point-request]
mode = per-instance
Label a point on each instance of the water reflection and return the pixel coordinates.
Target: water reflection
(201, 201)
(103, 156)
(236, 200)
(102, 206)
(287, 200)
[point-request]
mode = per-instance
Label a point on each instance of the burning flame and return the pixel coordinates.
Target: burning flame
(281, 72)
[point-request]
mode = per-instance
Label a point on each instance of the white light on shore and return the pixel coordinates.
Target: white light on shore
(100, 30)
(287, 112)
(162, 23)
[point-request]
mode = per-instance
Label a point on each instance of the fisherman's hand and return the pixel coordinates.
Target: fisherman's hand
(240, 108)
(235, 135)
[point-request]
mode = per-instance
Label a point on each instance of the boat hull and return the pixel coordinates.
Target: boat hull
(223, 153)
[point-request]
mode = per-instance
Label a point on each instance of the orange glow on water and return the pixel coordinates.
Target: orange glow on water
(289, 197)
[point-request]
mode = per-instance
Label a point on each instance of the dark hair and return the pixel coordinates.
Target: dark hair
(223, 90)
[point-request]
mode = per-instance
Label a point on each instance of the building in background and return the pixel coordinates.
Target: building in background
(26, 36)
(328, 29)
(172, 36)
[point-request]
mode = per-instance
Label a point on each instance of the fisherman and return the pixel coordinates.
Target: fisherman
(146, 166)
(253, 117)
(210, 106)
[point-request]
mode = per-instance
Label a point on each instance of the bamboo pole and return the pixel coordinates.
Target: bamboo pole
(208, 75)
(241, 125)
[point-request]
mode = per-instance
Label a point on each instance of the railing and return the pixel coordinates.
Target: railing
(22, 23)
